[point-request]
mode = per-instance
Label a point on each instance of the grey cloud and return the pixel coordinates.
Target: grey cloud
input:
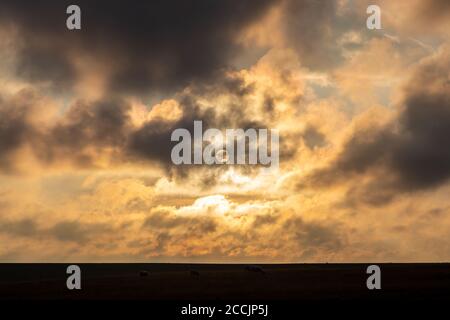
(77, 232)
(313, 138)
(313, 28)
(24, 227)
(314, 234)
(164, 220)
(72, 231)
(15, 128)
(41, 65)
(263, 220)
(409, 154)
(103, 124)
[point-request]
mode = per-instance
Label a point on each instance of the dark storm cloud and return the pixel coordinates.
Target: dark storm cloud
(91, 130)
(153, 140)
(145, 44)
(102, 124)
(410, 154)
(41, 65)
(15, 128)
(85, 131)
(422, 156)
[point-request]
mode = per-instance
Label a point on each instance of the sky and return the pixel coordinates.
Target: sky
(86, 118)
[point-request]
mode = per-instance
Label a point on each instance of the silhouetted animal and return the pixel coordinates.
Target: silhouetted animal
(257, 269)
(194, 273)
(143, 273)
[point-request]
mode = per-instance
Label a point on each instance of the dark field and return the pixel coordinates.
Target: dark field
(305, 282)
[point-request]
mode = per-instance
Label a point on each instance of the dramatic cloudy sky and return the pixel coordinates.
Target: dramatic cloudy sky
(86, 118)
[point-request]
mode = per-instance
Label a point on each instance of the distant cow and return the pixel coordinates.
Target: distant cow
(194, 273)
(256, 269)
(143, 273)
